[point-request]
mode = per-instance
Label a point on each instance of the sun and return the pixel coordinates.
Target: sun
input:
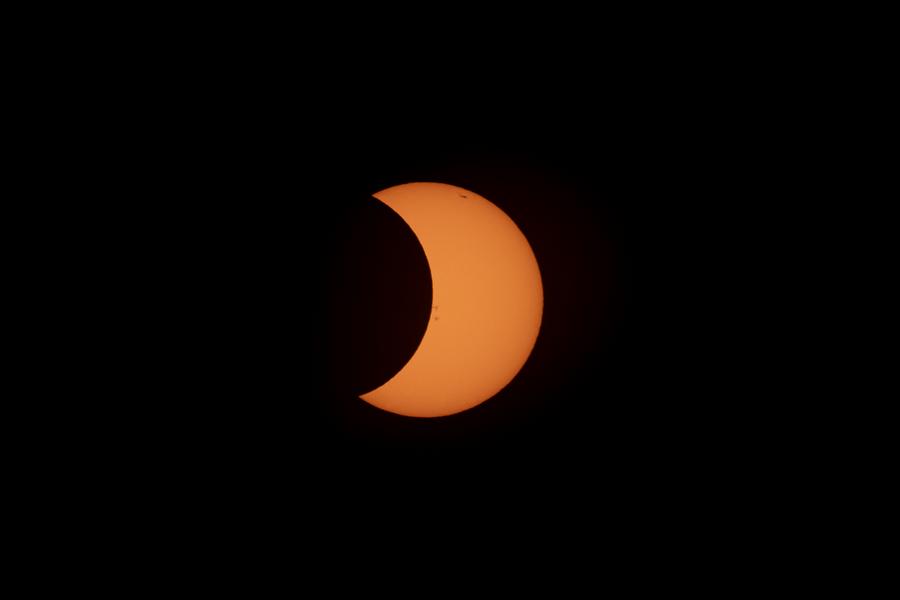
(487, 302)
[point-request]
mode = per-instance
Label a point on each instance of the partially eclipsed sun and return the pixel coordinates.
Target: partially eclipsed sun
(487, 302)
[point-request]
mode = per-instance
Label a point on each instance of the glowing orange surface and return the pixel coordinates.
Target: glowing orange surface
(487, 302)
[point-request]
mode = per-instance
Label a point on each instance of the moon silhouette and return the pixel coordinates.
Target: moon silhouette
(487, 302)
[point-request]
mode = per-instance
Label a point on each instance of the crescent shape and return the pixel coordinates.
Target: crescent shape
(487, 302)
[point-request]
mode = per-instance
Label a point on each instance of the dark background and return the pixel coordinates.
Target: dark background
(267, 289)
(236, 286)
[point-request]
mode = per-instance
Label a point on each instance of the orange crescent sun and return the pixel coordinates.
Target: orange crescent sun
(487, 302)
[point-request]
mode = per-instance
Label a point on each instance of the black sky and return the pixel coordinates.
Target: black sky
(287, 290)
(244, 287)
